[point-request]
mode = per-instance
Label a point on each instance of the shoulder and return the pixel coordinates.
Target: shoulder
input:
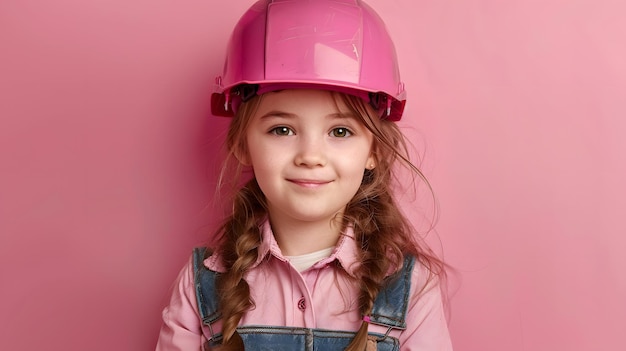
(425, 274)
(414, 272)
(427, 327)
(418, 283)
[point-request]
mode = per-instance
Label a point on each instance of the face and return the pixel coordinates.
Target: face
(308, 153)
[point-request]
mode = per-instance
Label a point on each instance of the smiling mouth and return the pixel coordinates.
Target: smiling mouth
(308, 183)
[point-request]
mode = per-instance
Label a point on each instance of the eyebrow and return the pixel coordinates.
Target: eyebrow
(282, 114)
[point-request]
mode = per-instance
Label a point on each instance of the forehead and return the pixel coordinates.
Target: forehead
(302, 102)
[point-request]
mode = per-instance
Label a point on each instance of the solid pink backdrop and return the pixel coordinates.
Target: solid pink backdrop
(108, 157)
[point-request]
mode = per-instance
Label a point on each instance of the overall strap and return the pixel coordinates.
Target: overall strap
(391, 304)
(206, 290)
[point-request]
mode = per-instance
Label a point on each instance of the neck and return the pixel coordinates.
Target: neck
(299, 238)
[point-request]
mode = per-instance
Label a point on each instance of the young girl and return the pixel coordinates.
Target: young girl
(316, 254)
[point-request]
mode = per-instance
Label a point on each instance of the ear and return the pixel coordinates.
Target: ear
(371, 162)
(241, 154)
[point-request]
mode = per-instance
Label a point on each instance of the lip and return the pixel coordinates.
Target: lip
(309, 183)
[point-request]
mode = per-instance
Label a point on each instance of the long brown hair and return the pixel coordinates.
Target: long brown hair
(382, 232)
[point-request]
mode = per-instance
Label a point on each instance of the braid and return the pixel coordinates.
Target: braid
(379, 252)
(239, 247)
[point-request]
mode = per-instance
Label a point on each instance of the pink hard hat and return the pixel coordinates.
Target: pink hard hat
(338, 45)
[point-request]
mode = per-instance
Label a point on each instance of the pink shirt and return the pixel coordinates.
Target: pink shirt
(319, 297)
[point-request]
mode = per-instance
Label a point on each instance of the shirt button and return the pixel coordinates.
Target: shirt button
(302, 304)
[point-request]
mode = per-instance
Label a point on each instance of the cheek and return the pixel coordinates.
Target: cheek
(257, 151)
(354, 168)
(262, 158)
(362, 155)
(265, 164)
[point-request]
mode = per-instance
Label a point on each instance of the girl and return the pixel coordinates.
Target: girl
(315, 255)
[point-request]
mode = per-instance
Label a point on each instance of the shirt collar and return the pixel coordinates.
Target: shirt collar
(345, 252)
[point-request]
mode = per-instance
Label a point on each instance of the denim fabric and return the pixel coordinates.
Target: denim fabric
(389, 310)
(206, 291)
(392, 301)
(265, 338)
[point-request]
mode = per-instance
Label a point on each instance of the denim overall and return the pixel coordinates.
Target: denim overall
(389, 310)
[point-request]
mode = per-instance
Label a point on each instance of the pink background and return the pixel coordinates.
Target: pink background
(107, 154)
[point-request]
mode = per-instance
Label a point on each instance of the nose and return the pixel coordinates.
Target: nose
(311, 152)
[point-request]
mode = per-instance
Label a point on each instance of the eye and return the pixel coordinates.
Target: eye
(282, 131)
(341, 132)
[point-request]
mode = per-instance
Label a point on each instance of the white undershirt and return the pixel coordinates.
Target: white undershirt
(304, 262)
